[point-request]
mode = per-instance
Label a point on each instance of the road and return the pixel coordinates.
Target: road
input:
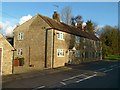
(100, 74)
(106, 77)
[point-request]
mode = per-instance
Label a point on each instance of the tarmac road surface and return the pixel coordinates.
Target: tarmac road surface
(100, 74)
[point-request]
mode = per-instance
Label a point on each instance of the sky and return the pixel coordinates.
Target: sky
(101, 13)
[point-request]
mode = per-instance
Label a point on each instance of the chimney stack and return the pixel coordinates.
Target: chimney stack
(56, 16)
(79, 26)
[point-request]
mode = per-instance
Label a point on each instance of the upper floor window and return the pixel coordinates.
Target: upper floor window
(60, 52)
(60, 36)
(77, 53)
(19, 52)
(77, 39)
(20, 36)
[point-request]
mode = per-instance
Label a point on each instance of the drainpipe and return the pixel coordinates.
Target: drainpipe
(46, 33)
(53, 51)
(29, 57)
(13, 61)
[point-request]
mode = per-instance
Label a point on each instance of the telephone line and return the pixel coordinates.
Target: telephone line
(9, 15)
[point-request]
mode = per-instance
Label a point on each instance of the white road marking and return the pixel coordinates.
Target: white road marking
(101, 69)
(113, 66)
(63, 83)
(38, 87)
(74, 77)
(107, 70)
(84, 75)
(95, 72)
(86, 78)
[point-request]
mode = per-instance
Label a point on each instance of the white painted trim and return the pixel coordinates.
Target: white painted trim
(60, 36)
(20, 52)
(60, 49)
(19, 36)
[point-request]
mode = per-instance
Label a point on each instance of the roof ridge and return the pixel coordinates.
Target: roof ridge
(6, 41)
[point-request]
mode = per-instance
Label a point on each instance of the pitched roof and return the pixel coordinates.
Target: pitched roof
(67, 28)
(3, 41)
(61, 27)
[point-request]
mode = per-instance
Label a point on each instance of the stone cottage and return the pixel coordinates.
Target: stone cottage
(49, 43)
(6, 56)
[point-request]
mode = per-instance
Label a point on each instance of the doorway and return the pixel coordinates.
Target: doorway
(71, 56)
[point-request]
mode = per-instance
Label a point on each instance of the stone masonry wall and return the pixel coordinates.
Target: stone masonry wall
(6, 57)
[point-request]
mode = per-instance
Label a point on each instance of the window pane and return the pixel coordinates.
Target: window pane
(60, 35)
(60, 52)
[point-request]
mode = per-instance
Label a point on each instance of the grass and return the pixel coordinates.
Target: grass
(113, 57)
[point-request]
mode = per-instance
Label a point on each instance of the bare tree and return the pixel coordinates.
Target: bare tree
(66, 14)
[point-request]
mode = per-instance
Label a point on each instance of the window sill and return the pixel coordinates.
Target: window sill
(60, 39)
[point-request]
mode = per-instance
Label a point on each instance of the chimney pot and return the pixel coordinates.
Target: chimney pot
(56, 16)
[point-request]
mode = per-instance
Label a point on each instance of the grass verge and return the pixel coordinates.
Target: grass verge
(112, 57)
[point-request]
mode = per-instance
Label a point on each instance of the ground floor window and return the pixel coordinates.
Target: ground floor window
(77, 53)
(20, 52)
(60, 52)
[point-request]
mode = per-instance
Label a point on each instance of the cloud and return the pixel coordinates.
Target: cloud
(24, 19)
(3, 25)
(99, 29)
(8, 28)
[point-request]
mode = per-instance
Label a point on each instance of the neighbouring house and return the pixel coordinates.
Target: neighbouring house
(6, 56)
(48, 43)
(10, 40)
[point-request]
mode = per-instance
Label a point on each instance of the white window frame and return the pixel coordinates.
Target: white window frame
(77, 39)
(20, 36)
(77, 53)
(19, 51)
(61, 52)
(60, 35)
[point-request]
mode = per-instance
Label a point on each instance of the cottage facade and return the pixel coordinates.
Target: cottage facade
(48, 43)
(6, 56)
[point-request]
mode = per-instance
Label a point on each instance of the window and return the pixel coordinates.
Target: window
(86, 54)
(83, 40)
(77, 53)
(19, 52)
(77, 39)
(60, 35)
(60, 52)
(20, 36)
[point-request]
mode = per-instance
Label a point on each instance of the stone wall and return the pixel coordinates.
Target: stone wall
(33, 44)
(7, 56)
